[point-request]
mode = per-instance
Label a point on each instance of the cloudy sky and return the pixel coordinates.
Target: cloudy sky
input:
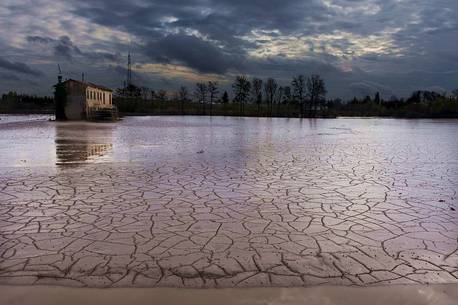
(358, 46)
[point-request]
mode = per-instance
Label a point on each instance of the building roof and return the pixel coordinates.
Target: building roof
(87, 84)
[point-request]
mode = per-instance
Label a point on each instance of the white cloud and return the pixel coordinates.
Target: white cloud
(340, 44)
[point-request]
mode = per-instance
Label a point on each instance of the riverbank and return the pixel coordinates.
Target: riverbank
(330, 295)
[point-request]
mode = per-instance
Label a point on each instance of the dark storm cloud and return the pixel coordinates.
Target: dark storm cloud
(63, 47)
(220, 20)
(358, 45)
(18, 67)
(9, 77)
(193, 52)
(39, 39)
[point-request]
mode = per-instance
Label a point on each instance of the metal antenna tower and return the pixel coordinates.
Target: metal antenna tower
(59, 76)
(129, 70)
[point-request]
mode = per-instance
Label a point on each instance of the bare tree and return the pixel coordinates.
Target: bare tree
(145, 93)
(256, 91)
(183, 97)
(279, 97)
(270, 89)
(212, 92)
(455, 93)
(316, 91)
(241, 87)
(377, 99)
(201, 94)
(286, 94)
(299, 91)
(161, 95)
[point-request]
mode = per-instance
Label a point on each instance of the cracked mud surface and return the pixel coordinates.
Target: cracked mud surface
(265, 203)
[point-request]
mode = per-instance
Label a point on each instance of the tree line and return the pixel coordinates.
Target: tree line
(304, 95)
(12, 102)
(307, 92)
(420, 104)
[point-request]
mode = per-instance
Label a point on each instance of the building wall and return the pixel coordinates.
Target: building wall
(74, 107)
(96, 97)
(81, 97)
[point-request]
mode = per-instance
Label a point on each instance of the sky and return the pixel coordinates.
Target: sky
(358, 47)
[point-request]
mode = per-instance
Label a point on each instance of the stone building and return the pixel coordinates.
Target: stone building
(87, 101)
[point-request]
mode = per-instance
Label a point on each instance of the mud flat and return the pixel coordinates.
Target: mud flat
(229, 202)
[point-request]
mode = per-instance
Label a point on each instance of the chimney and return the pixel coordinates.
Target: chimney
(82, 77)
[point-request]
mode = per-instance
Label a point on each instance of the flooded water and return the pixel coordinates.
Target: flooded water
(225, 202)
(29, 141)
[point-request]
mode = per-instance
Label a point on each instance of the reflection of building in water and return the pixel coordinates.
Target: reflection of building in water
(98, 149)
(77, 152)
(81, 142)
(88, 101)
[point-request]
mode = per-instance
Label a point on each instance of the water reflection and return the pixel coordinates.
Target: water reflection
(31, 142)
(78, 143)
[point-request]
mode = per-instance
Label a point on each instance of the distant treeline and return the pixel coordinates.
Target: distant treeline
(256, 97)
(23, 103)
(304, 97)
(421, 104)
